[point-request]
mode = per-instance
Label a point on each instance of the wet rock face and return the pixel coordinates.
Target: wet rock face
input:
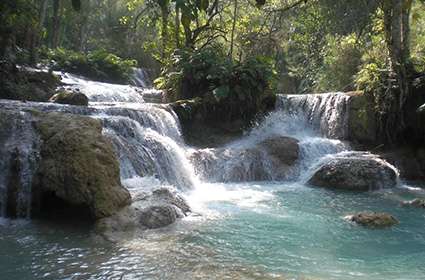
(271, 159)
(158, 216)
(355, 174)
(158, 209)
(70, 98)
(26, 85)
(283, 149)
(373, 220)
(362, 124)
(78, 164)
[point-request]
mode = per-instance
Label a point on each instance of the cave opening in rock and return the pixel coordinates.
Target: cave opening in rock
(51, 207)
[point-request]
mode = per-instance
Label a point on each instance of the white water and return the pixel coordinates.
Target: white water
(245, 230)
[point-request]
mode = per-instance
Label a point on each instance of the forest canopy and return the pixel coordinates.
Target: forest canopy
(306, 45)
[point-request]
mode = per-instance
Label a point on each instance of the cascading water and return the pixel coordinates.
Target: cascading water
(19, 153)
(141, 78)
(327, 113)
(146, 136)
(307, 118)
(275, 229)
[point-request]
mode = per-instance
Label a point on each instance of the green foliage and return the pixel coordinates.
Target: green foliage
(340, 64)
(238, 88)
(373, 74)
(99, 65)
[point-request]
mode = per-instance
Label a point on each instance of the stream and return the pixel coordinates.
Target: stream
(241, 228)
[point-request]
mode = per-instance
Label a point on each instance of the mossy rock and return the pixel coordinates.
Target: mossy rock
(373, 219)
(21, 84)
(209, 122)
(70, 98)
(362, 126)
(78, 164)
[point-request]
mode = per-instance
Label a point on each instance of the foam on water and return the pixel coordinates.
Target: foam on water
(244, 230)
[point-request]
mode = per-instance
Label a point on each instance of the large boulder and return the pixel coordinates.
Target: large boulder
(78, 165)
(270, 159)
(356, 173)
(283, 149)
(70, 97)
(153, 210)
(373, 219)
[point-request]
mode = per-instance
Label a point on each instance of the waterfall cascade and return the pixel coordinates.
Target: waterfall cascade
(311, 119)
(148, 140)
(19, 154)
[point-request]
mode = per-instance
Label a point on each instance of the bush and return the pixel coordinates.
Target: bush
(98, 65)
(236, 90)
(340, 64)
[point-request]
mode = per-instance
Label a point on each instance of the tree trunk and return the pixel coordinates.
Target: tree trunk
(43, 12)
(235, 15)
(82, 31)
(164, 29)
(177, 27)
(55, 24)
(396, 22)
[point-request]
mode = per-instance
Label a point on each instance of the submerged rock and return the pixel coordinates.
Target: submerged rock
(78, 165)
(70, 97)
(158, 216)
(359, 173)
(418, 203)
(148, 211)
(373, 219)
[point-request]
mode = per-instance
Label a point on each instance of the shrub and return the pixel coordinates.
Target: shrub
(98, 65)
(235, 90)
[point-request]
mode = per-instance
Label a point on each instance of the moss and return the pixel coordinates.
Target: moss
(20, 84)
(78, 164)
(69, 97)
(362, 126)
(208, 122)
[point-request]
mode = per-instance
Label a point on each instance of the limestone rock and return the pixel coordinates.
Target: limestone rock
(70, 97)
(271, 159)
(78, 164)
(362, 124)
(284, 149)
(373, 219)
(158, 209)
(357, 173)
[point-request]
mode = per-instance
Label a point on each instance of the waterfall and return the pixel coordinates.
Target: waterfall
(327, 113)
(104, 92)
(19, 152)
(141, 78)
(148, 140)
(312, 119)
